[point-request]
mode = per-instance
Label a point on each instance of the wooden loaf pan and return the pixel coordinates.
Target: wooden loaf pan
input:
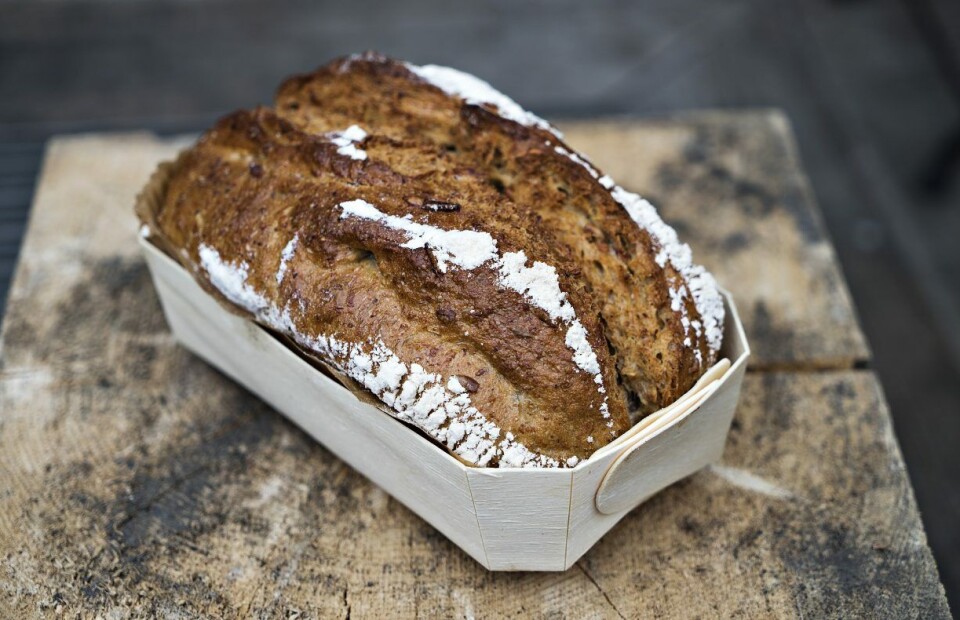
(506, 519)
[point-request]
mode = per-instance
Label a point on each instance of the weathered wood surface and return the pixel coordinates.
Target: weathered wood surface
(137, 480)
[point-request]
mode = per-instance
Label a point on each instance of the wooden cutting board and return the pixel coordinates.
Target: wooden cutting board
(136, 479)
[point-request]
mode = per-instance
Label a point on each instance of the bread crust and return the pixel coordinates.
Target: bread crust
(351, 216)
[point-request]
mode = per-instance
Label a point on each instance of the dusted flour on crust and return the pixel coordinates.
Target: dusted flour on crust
(441, 246)
(435, 405)
(469, 249)
(695, 282)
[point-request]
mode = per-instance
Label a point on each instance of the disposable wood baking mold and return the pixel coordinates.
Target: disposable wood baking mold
(506, 519)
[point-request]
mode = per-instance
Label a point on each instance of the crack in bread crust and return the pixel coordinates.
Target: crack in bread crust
(265, 188)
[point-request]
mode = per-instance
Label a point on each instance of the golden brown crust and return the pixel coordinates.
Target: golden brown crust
(615, 256)
(263, 193)
(253, 182)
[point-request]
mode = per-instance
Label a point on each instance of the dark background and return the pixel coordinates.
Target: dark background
(872, 88)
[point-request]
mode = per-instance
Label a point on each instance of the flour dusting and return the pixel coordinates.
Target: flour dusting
(470, 249)
(475, 91)
(439, 406)
(348, 139)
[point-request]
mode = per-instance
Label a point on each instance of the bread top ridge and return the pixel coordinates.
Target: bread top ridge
(445, 249)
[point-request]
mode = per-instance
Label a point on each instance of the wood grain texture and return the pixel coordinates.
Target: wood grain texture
(140, 481)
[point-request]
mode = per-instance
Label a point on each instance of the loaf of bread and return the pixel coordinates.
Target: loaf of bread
(423, 235)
